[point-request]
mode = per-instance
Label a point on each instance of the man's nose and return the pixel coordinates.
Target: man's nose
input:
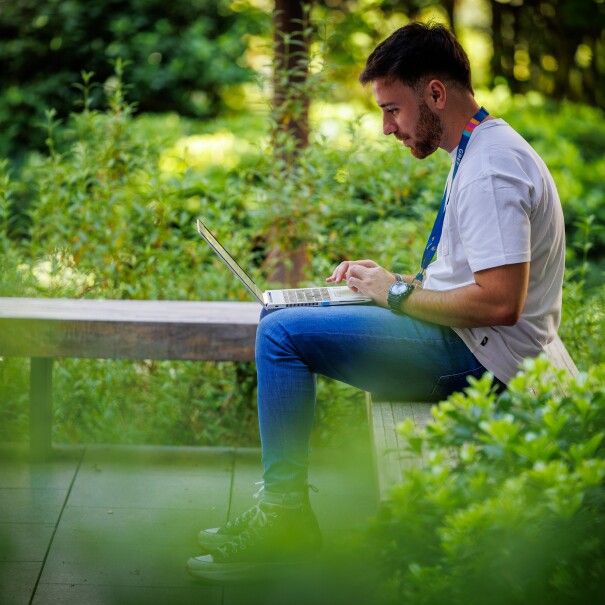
(388, 125)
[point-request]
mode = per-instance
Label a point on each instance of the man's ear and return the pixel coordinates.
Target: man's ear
(435, 94)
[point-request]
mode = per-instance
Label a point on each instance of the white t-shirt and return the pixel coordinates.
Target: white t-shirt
(503, 209)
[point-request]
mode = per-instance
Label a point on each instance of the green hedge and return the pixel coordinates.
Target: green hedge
(509, 508)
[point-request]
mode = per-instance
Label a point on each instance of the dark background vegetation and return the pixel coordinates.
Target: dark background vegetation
(184, 55)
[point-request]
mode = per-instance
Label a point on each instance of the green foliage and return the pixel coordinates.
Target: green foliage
(584, 305)
(342, 204)
(151, 402)
(96, 218)
(509, 507)
(185, 55)
(583, 320)
(361, 25)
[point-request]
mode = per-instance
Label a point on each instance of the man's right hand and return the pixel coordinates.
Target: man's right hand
(342, 270)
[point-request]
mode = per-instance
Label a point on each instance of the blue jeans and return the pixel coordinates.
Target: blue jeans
(362, 345)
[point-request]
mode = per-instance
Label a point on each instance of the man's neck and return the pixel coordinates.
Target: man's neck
(455, 119)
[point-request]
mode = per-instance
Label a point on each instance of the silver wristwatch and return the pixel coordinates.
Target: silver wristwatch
(398, 292)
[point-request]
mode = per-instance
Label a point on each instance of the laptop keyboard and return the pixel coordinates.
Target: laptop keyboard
(307, 295)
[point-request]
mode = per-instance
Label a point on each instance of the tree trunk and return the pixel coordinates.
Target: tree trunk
(291, 64)
(291, 105)
(498, 44)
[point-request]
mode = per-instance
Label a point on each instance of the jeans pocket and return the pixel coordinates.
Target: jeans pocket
(450, 383)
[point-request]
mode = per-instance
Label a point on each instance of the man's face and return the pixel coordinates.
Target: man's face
(406, 115)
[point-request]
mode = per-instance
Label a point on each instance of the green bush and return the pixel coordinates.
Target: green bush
(509, 507)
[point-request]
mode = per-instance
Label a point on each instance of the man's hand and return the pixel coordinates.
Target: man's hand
(341, 270)
(365, 276)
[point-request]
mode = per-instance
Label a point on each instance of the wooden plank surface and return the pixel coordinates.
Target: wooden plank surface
(390, 461)
(385, 416)
(148, 311)
(129, 329)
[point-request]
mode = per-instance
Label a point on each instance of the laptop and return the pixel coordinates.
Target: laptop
(290, 297)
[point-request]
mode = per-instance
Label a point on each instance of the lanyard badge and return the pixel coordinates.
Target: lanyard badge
(435, 236)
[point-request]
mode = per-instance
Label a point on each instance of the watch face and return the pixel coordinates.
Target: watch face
(399, 287)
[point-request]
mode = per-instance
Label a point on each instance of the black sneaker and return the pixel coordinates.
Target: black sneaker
(215, 537)
(276, 537)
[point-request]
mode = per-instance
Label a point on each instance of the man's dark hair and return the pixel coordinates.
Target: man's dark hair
(418, 52)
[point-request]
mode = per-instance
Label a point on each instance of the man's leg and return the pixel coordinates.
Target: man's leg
(365, 346)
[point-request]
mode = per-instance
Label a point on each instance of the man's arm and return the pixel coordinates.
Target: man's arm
(495, 299)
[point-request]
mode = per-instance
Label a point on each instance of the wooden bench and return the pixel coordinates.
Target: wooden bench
(385, 416)
(45, 329)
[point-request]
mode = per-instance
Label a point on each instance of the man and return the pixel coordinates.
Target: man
(492, 297)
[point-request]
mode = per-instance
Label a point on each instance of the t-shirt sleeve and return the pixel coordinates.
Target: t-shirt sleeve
(494, 221)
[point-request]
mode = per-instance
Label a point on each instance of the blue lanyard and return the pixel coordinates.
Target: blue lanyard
(435, 236)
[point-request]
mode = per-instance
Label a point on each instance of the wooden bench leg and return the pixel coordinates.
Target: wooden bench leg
(40, 408)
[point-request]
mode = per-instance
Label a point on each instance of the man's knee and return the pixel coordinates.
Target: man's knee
(270, 332)
(275, 330)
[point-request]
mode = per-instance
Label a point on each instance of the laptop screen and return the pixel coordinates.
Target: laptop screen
(229, 261)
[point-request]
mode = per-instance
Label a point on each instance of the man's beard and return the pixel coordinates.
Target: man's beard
(428, 133)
